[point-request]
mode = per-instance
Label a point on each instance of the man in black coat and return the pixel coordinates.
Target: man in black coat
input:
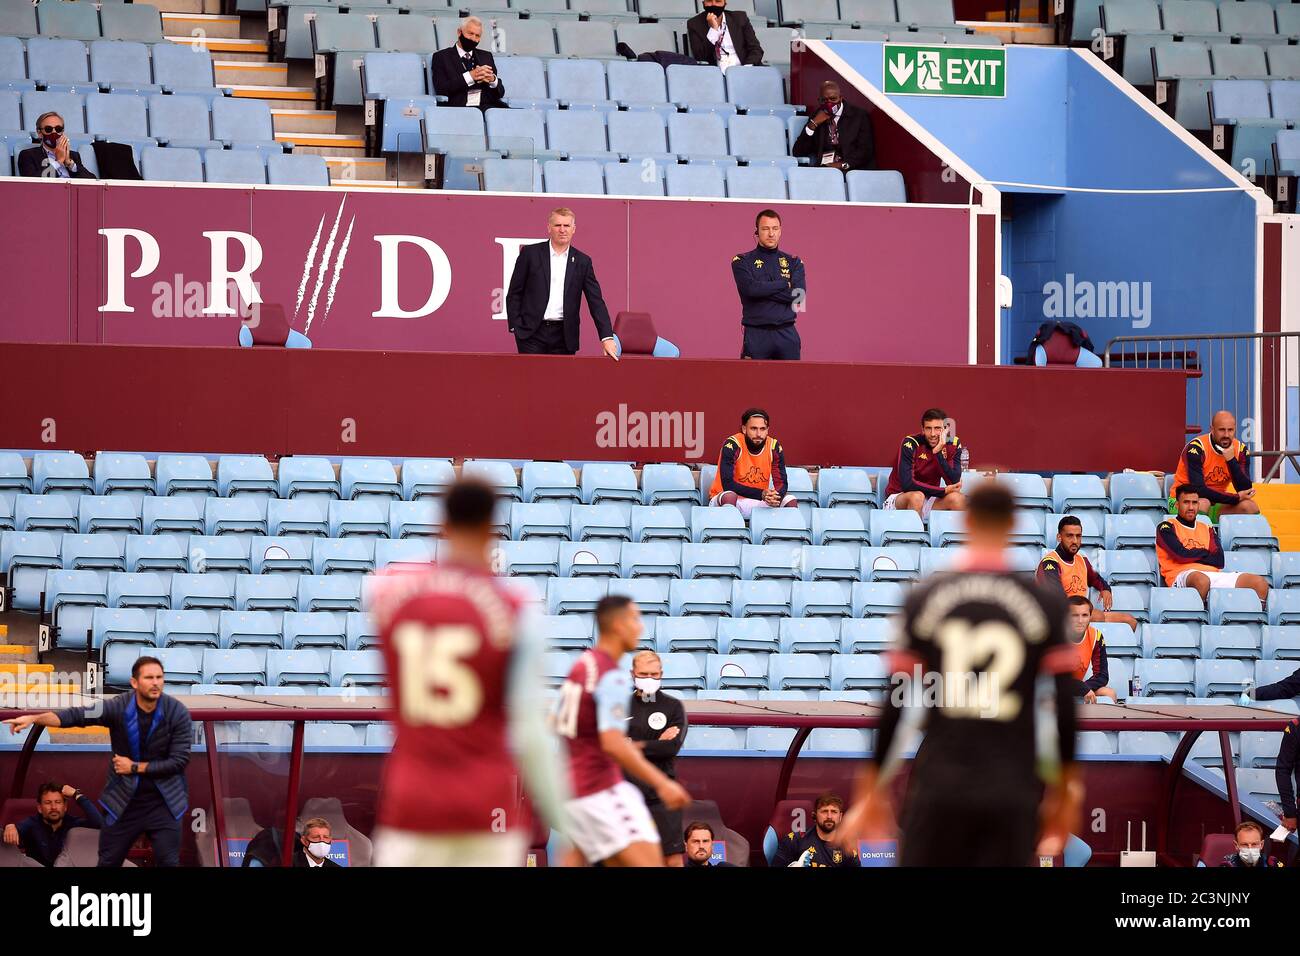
(546, 288)
(838, 134)
(466, 75)
(722, 37)
(53, 158)
(314, 844)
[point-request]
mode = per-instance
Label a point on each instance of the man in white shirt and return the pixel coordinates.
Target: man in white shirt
(723, 38)
(315, 845)
(546, 288)
(466, 73)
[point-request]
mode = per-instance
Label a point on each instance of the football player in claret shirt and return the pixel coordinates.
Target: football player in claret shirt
(1065, 568)
(1250, 854)
(607, 819)
(1190, 555)
(464, 658)
(1091, 647)
(751, 468)
(975, 797)
(924, 460)
(1215, 465)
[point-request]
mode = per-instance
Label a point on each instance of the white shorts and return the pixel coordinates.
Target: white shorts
(891, 504)
(1218, 579)
(607, 822)
(405, 848)
(748, 506)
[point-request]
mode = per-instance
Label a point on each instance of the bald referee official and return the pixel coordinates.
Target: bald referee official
(986, 635)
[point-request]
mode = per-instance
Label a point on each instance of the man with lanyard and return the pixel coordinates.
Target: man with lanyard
(723, 38)
(145, 791)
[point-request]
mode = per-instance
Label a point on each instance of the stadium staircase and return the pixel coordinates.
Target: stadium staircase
(1280, 504)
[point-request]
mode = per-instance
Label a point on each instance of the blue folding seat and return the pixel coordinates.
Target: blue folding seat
(116, 472)
(302, 475)
(1130, 530)
(859, 672)
(69, 600)
(597, 522)
(161, 552)
(121, 119)
(180, 68)
(344, 555)
(238, 166)
(567, 632)
(295, 170)
(876, 600)
(1170, 640)
(192, 627)
(650, 594)
(135, 22)
(650, 559)
(234, 666)
(535, 558)
(132, 626)
(759, 90)
(574, 178)
(798, 672)
(13, 473)
(203, 591)
(267, 592)
(250, 629)
(899, 527)
(876, 185)
(1259, 751)
(820, 599)
(658, 523)
(818, 183)
(1230, 642)
(578, 85)
(321, 630)
(279, 555)
(738, 671)
(710, 524)
(366, 517)
(1286, 569)
(7, 500)
(699, 137)
(645, 178)
(588, 38)
(772, 525)
(700, 596)
(811, 636)
(682, 672)
(181, 121)
(99, 514)
(1283, 607)
(755, 182)
(59, 65)
(305, 668)
(936, 561)
(662, 484)
(698, 89)
(574, 595)
(639, 86)
(228, 553)
(361, 631)
(604, 482)
(184, 474)
(60, 471)
(699, 182)
(717, 559)
(737, 635)
(706, 739)
(1173, 605)
(1188, 63)
(831, 563)
(1128, 567)
(122, 66)
(596, 558)
(410, 550)
(683, 634)
(893, 563)
(54, 513)
(308, 516)
(866, 636)
(1137, 491)
(759, 598)
(1223, 678)
(1145, 743)
(1169, 675)
(245, 475)
(334, 592)
(1246, 531)
(222, 516)
(838, 526)
(579, 134)
(397, 84)
(948, 528)
(1236, 606)
(1129, 600)
(93, 552)
(548, 481)
(771, 561)
(408, 519)
(1281, 643)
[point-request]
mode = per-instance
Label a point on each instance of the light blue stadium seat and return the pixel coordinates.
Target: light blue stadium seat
(303, 475)
(240, 475)
(737, 635)
(578, 84)
(334, 592)
(426, 477)
(609, 482)
(589, 38)
(93, 552)
(737, 671)
(70, 598)
(303, 517)
(540, 558)
(399, 82)
(179, 68)
(525, 80)
(948, 528)
(718, 524)
(133, 626)
(1223, 678)
(838, 526)
(698, 89)
(820, 599)
(1169, 675)
(866, 636)
(759, 90)
(1285, 569)
(696, 182)
(184, 475)
(531, 37)
(45, 513)
(1246, 19)
(702, 739)
(1287, 152)
(162, 552)
(181, 121)
(603, 521)
(1259, 751)
(1137, 491)
(18, 20)
(574, 595)
(242, 121)
(891, 563)
(246, 629)
(567, 632)
(1131, 567)
(1283, 60)
(688, 634)
(1170, 640)
(809, 14)
(1094, 742)
(650, 594)
(1175, 605)
(1231, 642)
(1284, 607)
(60, 471)
(1270, 672)
(414, 518)
(876, 185)
(595, 558)
(830, 563)
(898, 527)
(213, 591)
(1129, 600)
(876, 599)
(682, 672)
(1246, 531)
(234, 516)
(122, 473)
(109, 514)
(235, 666)
(1281, 643)
(701, 137)
(13, 470)
(773, 525)
(129, 21)
(638, 135)
(1236, 606)
(759, 141)
(708, 596)
(330, 737)
(284, 169)
(1130, 531)
(871, 13)
(266, 592)
(575, 177)
(455, 130)
(356, 669)
(664, 483)
(859, 672)
(1145, 743)
(821, 184)
(25, 557)
(645, 178)
(811, 636)
(639, 86)
(1188, 63)
(658, 523)
(717, 559)
(305, 668)
(798, 672)
(759, 598)
(368, 516)
(75, 20)
(123, 66)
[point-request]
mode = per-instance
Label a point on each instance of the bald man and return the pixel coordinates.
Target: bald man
(838, 134)
(1215, 465)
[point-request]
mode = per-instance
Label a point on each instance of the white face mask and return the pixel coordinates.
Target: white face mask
(1248, 855)
(319, 850)
(646, 685)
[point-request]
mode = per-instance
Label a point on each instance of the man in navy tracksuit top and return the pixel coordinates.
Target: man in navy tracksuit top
(771, 286)
(145, 791)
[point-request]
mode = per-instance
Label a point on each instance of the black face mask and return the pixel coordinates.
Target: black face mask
(715, 10)
(467, 44)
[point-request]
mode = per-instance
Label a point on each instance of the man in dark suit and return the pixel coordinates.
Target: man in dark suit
(54, 158)
(722, 37)
(546, 288)
(466, 75)
(313, 846)
(145, 792)
(839, 134)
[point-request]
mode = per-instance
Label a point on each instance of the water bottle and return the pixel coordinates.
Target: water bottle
(1135, 686)
(965, 458)
(1245, 700)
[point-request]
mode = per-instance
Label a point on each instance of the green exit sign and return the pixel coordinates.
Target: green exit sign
(945, 70)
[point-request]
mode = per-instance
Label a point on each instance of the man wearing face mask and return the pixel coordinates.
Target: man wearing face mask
(838, 134)
(465, 74)
(772, 289)
(54, 158)
(657, 724)
(313, 850)
(723, 38)
(1249, 837)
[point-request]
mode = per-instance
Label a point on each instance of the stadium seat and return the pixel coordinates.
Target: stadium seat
(859, 672)
(600, 522)
(773, 525)
(1284, 607)
(1130, 530)
(134, 626)
(1145, 743)
(869, 636)
(356, 669)
(536, 558)
(426, 477)
(876, 185)
(1174, 605)
(703, 739)
(240, 629)
(598, 558)
(898, 527)
(1236, 606)
(759, 598)
(682, 672)
(574, 595)
(747, 635)
(1093, 529)
(877, 599)
(120, 514)
(541, 520)
(695, 181)
(1129, 600)
(352, 555)
(658, 523)
(685, 634)
(289, 554)
(60, 471)
(1259, 751)
(1222, 678)
(820, 599)
(1281, 643)
(1164, 676)
(1170, 640)
(821, 184)
(798, 672)
(708, 596)
(1121, 640)
(742, 671)
(948, 528)
(266, 592)
(306, 668)
(650, 594)
(234, 666)
(163, 552)
(578, 85)
(842, 526)
(810, 636)
(894, 563)
(70, 598)
(213, 591)
(1131, 567)
(830, 562)
(709, 524)
(652, 559)
(51, 513)
(120, 473)
(195, 628)
(93, 552)
(575, 177)
(605, 482)
(717, 559)
(1246, 531)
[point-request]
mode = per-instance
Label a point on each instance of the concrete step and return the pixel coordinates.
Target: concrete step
(346, 170)
(16, 667)
(185, 6)
(197, 25)
(1283, 522)
(279, 97)
(1278, 496)
(248, 73)
(1289, 542)
(255, 51)
(17, 654)
(325, 144)
(304, 121)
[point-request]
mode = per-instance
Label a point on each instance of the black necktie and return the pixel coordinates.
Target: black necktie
(468, 60)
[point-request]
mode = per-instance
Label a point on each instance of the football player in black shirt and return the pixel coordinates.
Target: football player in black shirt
(981, 636)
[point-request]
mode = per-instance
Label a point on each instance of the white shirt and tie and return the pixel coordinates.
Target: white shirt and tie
(559, 268)
(727, 53)
(474, 95)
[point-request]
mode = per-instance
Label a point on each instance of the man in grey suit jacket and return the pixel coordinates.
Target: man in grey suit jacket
(545, 294)
(145, 792)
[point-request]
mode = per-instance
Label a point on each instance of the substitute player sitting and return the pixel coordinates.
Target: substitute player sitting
(751, 468)
(1092, 651)
(1064, 567)
(1190, 554)
(607, 819)
(927, 472)
(1215, 465)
